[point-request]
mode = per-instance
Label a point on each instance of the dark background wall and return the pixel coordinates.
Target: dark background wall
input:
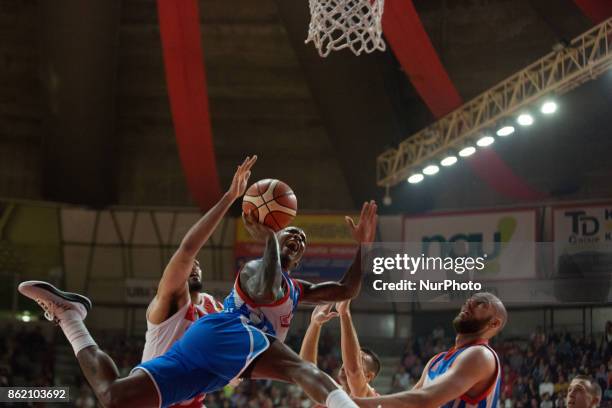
(84, 113)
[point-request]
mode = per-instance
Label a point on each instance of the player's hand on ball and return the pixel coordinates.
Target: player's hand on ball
(258, 231)
(365, 231)
(323, 314)
(241, 177)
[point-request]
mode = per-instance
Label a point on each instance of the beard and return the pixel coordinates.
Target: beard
(470, 326)
(195, 286)
(287, 262)
(284, 260)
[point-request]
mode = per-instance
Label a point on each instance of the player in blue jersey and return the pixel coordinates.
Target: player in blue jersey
(246, 340)
(466, 376)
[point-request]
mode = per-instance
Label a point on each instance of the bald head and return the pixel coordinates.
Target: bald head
(483, 314)
(498, 307)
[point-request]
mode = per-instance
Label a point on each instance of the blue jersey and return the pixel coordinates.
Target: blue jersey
(274, 318)
(443, 361)
(220, 347)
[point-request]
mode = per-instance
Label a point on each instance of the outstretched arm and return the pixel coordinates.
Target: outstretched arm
(310, 345)
(351, 353)
(173, 284)
(348, 287)
(262, 279)
(475, 365)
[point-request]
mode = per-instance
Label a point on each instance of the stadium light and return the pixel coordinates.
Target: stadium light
(506, 130)
(548, 107)
(387, 201)
(485, 141)
(525, 119)
(467, 151)
(448, 160)
(416, 178)
(431, 170)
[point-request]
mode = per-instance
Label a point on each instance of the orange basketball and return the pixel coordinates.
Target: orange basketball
(274, 203)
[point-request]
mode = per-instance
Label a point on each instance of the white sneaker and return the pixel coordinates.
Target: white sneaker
(55, 302)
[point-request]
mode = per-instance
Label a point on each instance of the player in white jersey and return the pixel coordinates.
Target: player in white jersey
(466, 376)
(179, 301)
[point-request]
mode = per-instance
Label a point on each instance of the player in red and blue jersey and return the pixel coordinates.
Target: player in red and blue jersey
(466, 376)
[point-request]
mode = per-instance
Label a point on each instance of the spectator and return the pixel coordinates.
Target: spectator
(401, 380)
(546, 387)
(438, 333)
(560, 401)
(561, 385)
(546, 402)
(606, 340)
(519, 388)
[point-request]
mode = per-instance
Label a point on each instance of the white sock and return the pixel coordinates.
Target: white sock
(339, 399)
(76, 332)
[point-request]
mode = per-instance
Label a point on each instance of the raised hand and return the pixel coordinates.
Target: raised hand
(241, 177)
(343, 308)
(365, 231)
(257, 230)
(322, 314)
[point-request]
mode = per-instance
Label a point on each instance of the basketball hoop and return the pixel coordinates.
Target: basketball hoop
(354, 24)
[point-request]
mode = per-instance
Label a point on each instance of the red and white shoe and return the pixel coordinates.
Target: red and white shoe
(55, 302)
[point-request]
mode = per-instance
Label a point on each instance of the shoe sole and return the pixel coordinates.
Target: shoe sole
(69, 296)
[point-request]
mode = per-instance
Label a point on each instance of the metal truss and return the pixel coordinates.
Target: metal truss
(583, 59)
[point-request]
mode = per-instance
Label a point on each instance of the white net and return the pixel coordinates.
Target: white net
(353, 24)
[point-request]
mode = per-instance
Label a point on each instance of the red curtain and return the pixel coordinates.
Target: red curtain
(596, 10)
(186, 80)
(412, 47)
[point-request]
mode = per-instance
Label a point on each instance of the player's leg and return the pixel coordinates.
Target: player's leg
(69, 310)
(281, 363)
(136, 390)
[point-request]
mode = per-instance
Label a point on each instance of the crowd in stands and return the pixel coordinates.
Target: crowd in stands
(26, 357)
(536, 370)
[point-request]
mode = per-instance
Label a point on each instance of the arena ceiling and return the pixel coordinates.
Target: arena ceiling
(85, 117)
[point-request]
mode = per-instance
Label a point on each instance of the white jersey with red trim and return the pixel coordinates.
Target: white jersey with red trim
(274, 318)
(160, 337)
(443, 361)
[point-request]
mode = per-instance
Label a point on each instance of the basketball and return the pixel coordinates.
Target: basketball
(274, 203)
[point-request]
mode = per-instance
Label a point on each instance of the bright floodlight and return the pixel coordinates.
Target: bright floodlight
(416, 178)
(431, 170)
(467, 151)
(548, 107)
(505, 131)
(449, 160)
(525, 119)
(485, 141)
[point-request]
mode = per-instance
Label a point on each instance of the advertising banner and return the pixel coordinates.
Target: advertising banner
(583, 250)
(141, 291)
(503, 238)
